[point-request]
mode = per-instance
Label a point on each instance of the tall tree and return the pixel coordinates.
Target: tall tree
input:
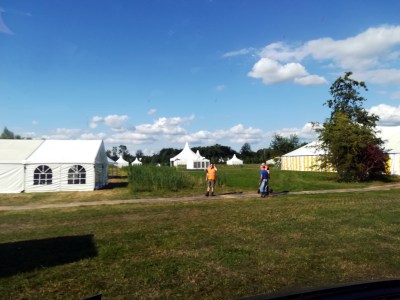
(349, 135)
(281, 145)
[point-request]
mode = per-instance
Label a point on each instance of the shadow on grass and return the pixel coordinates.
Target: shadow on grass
(115, 185)
(25, 256)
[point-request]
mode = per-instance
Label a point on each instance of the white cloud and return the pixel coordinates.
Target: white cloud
(169, 126)
(63, 134)
(367, 54)
(388, 115)
(152, 111)
(129, 137)
(113, 121)
(95, 121)
(270, 71)
(379, 76)
(93, 136)
(34, 122)
(369, 48)
(310, 80)
(244, 51)
(305, 133)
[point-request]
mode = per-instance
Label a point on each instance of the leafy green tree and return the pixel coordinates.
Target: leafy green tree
(349, 137)
(281, 145)
(246, 149)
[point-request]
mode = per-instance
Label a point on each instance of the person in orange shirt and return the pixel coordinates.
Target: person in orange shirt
(211, 178)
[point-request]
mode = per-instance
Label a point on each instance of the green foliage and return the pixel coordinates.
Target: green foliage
(216, 152)
(346, 99)
(281, 145)
(150, 178)
(348, 136)
(9, 135)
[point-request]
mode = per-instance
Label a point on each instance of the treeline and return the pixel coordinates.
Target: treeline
(217, 153)
(9, 135)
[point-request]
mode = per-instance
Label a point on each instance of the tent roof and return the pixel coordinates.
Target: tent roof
(234, 158)
(389, 134)
(122, 161)
(186, 154)
(66, 151)
(306, 150)
(136, 162)
(15, 151)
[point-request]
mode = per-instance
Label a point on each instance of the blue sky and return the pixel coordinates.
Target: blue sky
(153, 74)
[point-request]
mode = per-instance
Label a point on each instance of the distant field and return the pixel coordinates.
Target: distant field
(222, 249)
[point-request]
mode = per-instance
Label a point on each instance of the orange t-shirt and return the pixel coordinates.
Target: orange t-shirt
(211, 173)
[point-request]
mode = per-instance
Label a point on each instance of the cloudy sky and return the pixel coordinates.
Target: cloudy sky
(151, 74)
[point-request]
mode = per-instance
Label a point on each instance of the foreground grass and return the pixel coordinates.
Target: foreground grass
(221, 249)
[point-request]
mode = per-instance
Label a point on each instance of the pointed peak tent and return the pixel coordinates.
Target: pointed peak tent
(136, 162)
(190, 159)
(234, 161)
(121, 162)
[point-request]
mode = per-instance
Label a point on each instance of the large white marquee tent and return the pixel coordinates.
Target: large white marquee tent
(306, 158)
(191, 160)
(52, 165)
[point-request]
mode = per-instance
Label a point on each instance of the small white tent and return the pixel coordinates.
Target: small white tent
(52, 165)
(121, 162)
(234, 161)
(136, 162)
(190, 159)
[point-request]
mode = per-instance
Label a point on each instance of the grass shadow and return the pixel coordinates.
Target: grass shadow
(25, 256)
(115, 185)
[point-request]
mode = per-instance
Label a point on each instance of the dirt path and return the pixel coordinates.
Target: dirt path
(195, 198)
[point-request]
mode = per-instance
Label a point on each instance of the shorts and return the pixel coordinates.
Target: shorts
(211, 183)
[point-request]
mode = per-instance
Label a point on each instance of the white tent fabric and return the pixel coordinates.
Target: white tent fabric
(190, 159)
(55, 165)
(13, 154)
(305, 158)
(121, 162)
(234, 161)
(391, 136)
(136, 162)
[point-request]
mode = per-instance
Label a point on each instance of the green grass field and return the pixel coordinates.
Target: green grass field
(214, 249)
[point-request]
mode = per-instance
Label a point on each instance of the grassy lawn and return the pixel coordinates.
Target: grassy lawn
(231, 179)
(220, 249)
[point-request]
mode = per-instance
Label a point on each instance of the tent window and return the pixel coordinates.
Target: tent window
(77, 175)
(42, 175)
